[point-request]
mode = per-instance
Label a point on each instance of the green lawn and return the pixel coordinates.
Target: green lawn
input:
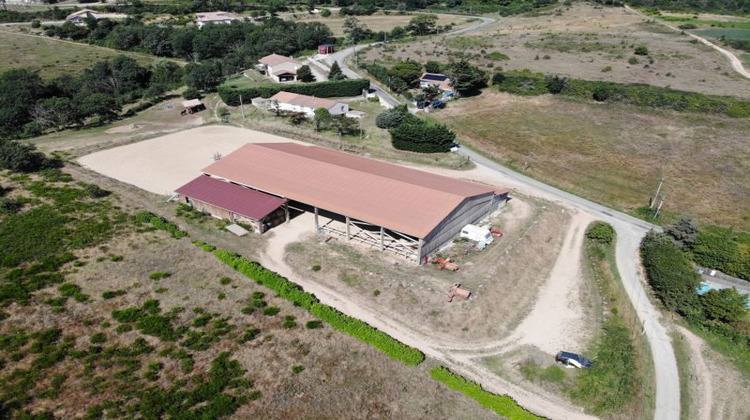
(247, 79)
(53, 57)
(743, 34)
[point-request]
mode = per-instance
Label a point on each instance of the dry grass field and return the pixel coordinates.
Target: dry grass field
(585, 42)
(53, 57)
(377, 22)
(290, 371)
(616, 154)
(503, 285)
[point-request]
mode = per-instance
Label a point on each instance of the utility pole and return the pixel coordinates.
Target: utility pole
(242, 107)
(657, 194)
(663, 197)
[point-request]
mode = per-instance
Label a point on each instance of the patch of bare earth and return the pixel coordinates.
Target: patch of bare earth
(716, 388)
(585, 41)
(616, 154)
(503, 278)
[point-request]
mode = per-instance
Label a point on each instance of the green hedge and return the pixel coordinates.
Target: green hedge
(293, 292)
(524, 82)
(372, 336)
(330, 89)
(160, 223)
(501, 404)
(670, 274)
(722, 253)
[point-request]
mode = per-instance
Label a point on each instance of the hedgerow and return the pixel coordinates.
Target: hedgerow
(330, 89)
(376, 338)
(524, 82)
(160, 223)
(293, 292)
(501, 404)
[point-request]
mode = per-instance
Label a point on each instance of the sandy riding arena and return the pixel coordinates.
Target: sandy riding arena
(163, 164)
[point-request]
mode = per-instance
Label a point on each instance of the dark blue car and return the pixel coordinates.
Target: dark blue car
(572, 359)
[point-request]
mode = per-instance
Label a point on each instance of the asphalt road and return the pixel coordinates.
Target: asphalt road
(630, 231)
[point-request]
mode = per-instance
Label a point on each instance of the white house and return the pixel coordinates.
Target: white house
(79, 17)
(308, 104)
(280, 68)
(225, 18)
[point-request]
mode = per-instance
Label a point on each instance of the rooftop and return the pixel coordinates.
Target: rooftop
(214, 16)
(276, 59)
(303, 100)
(434, 77)
(237, 199)
(395, 197)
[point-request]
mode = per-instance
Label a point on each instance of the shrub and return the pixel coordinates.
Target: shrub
(98, 338)
(325, 12)
(249, 335)
(684, 232)
(500, 404)
(271, 311)
(641, 50)
(158, 275)
(633, 61)
(297, 369)
(329, 89)
(670, 274)
(420, 136)
(312, 325)
(111, 294)
(224, 281)
(721, 253)
(191, 93)
(390, 118)
(601, 232)
(160, 223)
(316, 267)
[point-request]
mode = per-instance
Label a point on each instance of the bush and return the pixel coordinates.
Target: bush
(329, 89)
(191, 93)
(316, 267)
(158, 275)
(721, 253)
(420, 136)
(501, 404)
(160, 223)
(641, 50)
(312, 325)
(111, 294)
(390, 118)
(670, 274)
(271, 311)
(601, 232)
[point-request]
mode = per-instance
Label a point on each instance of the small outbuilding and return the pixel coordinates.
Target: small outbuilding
(326, 49)
(441, 81)
(79, 17)
(221, 18)
(294, 102)
(192, 106)
(228, 201)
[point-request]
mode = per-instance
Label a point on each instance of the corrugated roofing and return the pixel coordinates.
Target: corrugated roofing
(228, 196)
(303, 100)
(402, 199)
(276, 59)
(434, 77)
(191, 103)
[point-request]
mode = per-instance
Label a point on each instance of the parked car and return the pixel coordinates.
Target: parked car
(572, 359)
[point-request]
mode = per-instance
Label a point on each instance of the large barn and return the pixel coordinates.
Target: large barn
(406, 211)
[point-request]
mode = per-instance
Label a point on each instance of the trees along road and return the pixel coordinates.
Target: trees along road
(630, 231)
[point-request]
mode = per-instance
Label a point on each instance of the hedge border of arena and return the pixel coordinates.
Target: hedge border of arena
(330, 89)
(296, 294)
(501, 404)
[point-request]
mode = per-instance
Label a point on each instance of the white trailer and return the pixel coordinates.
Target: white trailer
(476, 233)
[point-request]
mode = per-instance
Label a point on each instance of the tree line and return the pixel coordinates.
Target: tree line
(30, 105)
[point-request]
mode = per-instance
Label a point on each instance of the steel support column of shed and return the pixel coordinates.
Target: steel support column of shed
(396, 242)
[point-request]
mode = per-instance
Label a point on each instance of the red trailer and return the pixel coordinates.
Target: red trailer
(326, 49)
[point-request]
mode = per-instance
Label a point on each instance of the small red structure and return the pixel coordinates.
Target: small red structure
(445, 263)
(497, 233)
(456, 290)
(326, 49)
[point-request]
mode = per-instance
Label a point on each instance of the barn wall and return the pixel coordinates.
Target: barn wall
(469, 211)
(221, 213)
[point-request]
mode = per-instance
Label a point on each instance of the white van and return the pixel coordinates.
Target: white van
(476, 233)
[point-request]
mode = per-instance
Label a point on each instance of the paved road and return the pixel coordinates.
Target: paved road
(630, 231)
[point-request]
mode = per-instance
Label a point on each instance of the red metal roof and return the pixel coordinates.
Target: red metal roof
(240, 200)
(398, 198)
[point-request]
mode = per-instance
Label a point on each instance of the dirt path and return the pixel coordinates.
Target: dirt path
(704, 394)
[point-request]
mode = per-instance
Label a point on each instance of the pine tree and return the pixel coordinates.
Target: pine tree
(336, 73)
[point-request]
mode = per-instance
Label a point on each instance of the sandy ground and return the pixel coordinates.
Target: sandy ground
(163, 164)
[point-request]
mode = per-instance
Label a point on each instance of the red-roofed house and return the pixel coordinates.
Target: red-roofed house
(280, 67)
(225, 200)
(295, 102)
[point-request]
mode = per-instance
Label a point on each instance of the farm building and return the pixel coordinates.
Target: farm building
(79, 17)
(308, 104)
(390, 207)
(235, 203)
(280, 68)
(224, 18)
(433, 79)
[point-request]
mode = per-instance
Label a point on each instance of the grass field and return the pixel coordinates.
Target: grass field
(615, 154)
(143, 321)
(579, 42)
(377, 22)
(54, 57)
(743, 34)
